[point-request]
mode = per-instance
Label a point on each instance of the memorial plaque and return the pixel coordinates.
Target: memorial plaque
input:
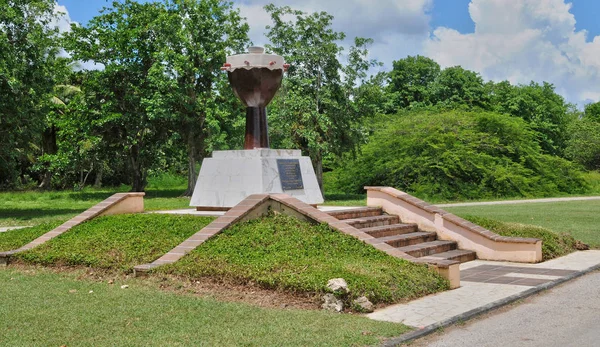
(290, 174)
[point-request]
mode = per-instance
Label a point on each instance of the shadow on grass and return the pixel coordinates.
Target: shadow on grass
(99, 196)
(29, 214)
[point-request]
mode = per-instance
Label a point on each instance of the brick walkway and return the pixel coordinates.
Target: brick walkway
(484, 283)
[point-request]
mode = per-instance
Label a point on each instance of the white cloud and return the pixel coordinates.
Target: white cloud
(399, 28)
(63, 20)
(524, 41)
(63, 23)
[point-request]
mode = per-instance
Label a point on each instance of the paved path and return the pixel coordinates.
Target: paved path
(483, 284)
(564, 316)
(511, 202)
(5, 229)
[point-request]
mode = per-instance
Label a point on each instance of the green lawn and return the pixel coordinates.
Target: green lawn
(33, 207)
(578, 218)
(43, 308)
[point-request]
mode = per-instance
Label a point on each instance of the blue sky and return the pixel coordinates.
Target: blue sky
(447, 13)
(515, 40)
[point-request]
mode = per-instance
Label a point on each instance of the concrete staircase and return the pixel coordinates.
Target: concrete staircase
(406, 238)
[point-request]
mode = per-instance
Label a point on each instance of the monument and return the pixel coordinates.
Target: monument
(230, 176)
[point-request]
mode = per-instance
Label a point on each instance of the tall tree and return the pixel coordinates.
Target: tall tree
(592, 112)
(198, 35)
(411, 80)
(125, 39)
(456, 86)
(540, 106)
(29, 46)
(315, 110)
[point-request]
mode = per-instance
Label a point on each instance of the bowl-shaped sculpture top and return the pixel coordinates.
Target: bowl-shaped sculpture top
(256, 87)
(255, 77)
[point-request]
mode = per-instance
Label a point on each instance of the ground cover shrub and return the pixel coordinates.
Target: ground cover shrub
(116, 242)
(14, 239)
(554, 245)
(593, 181)
(282, 252)
(458, 155)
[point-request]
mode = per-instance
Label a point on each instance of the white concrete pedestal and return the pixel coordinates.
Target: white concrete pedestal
(230, 176)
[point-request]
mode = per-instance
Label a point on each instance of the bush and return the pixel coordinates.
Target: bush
(583, 145)
(458, 155)
(554, 245)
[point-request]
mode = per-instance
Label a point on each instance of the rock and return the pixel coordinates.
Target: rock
(124, 286)
(338, 285)
(331, 303)
(363, 304)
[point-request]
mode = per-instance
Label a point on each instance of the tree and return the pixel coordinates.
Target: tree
(541, 107)
(198, 35)
(592, 112)
(29, 47)
(583, 144)
(455, 86)
(411, 80)
(316, 110)
(125, 40)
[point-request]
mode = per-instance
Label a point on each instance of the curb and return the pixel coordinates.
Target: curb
(396, 341)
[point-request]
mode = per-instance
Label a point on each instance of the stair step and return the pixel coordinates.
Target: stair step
(356, 213)
(428, 248)
(390, 230)
(409, 239)
(461, 255)
(374, 221)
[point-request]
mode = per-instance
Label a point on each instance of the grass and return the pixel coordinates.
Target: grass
(35, 207)
(342, 199)
(577, 218)
(43, 308)
(554, 245)
(115, 242)
(282, 252)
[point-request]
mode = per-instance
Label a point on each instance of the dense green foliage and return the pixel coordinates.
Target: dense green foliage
(140, 93)
(117, 242)
(284, 253)
(459, 155)
(553, 245)
(29, 70)
(63, 310)
(583, 145)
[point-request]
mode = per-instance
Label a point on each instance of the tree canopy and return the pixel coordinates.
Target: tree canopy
(157, 101)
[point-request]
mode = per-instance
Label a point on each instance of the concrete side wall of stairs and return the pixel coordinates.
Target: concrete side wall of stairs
(450, 228)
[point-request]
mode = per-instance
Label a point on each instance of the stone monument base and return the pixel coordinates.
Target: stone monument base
(230, 176)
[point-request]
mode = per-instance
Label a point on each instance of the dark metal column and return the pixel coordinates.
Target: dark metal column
(257, 135)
